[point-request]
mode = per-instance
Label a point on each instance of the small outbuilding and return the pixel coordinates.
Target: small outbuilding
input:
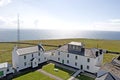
(5, 69)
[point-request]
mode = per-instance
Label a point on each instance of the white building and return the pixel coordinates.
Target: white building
(23, 58)
(5, 69)
(75, 55)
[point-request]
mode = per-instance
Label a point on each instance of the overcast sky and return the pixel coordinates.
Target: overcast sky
(61, 14)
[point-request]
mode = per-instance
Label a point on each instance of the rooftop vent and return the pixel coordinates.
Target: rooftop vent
(96, 53)
(100, 51)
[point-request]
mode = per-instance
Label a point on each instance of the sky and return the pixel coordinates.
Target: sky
(61, 14)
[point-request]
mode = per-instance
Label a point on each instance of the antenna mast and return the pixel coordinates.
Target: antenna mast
(18, 30)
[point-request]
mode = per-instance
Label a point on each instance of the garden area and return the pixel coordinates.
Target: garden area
(57, 71)
(34, 75)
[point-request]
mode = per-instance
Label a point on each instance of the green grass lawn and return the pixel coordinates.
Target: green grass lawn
(112, 45)
(108, 57)
(62, 73)
(83, 77)
(33, 76)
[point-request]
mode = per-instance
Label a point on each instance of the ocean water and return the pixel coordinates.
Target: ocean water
(11, 34)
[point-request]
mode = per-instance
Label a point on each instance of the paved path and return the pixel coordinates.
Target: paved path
(50, 75)
(74, 75)
(88, 74)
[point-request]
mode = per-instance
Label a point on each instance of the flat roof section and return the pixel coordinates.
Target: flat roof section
(4, 65)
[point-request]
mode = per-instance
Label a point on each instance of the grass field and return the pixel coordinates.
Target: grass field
(112, 45)
(6, 50)
(33, 76)
(62, 73)
(83, 77)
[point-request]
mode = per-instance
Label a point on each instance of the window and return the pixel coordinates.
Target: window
(25, 57)
(63, 61)
(39, 54)
(96, 53)
(67, 55)
(58, 53)
(58, 59)
(81, 67)
(76, 57)
(24, 63)
(39, 59)
(73, 47)
(88, 60)
(87, 67)
(32, 55)
(35, 63)
(52, 54)
(7, 70)
(77, 48)
(75, 63)
(68, 61)
(1, 73)
(45, 58)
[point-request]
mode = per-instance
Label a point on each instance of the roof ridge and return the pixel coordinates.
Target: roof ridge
(111, 75)
(27, 47)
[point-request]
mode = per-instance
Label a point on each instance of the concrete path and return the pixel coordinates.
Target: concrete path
(74, 75)
(50, 75)
(88, 74)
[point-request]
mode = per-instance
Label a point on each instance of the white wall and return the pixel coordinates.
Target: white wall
(82, 60)
(15, 58)
(18, 60)
(28, 59)
(10, 70)
(99, 59)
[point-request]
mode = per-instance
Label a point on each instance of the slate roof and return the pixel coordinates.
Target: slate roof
(88, 52)
(27, 50)
(104, 75)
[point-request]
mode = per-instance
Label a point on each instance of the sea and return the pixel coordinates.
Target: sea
(8, 35)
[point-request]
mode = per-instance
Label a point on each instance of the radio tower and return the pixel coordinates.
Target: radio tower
(18, 31)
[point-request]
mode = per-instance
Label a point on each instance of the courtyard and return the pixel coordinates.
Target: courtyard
(52, 69)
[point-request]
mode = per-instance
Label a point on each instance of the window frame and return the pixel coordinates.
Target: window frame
(68, 55)
(76, 57)
(88, 59)
(88, 67)
(67, 61)
(25, 63)
(24, 56)
(58, 59)
(75, 63)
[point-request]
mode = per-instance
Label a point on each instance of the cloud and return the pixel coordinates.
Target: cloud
(2, 21)
(50, 22)
(115, 20)
(4, 2)
(109, 25)
(7, 22)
